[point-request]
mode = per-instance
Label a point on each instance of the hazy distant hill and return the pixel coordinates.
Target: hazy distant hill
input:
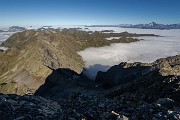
(152, 25)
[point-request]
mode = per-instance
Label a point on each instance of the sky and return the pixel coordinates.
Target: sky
(88, 12)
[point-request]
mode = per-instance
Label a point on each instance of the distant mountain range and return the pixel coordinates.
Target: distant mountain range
(151, 25)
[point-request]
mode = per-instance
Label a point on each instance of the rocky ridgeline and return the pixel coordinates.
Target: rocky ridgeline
(125, 72)
(134, 91)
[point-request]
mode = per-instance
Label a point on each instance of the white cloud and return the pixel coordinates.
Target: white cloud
(5, 35)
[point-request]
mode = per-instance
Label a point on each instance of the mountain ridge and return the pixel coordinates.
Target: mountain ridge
(152, 25)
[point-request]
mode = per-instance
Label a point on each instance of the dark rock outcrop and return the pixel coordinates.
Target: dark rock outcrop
(63, 83)
(126, 72)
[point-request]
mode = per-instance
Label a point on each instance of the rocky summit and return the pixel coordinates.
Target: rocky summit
(41, 78)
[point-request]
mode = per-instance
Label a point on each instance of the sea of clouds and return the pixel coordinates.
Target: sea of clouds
(147, 50)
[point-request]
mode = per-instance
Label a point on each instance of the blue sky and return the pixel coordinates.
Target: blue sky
(88, 12)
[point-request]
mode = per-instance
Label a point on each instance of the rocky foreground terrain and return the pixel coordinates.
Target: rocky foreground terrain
(134, 91)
